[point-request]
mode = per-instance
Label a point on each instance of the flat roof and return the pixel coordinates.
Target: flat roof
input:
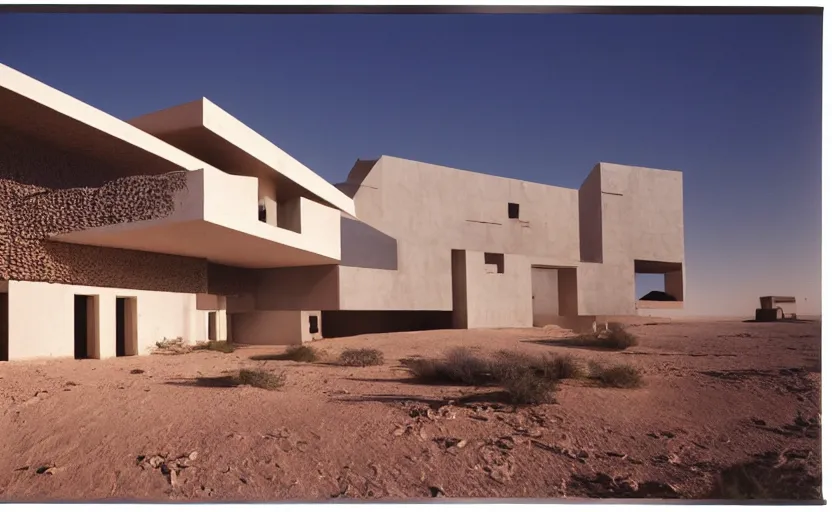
(35, 109)
(208, 132)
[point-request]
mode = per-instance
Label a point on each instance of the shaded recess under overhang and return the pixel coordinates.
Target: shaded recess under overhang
(37, 111)
(198, 239)
(204, 130)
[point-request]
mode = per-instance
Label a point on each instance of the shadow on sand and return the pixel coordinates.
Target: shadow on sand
(572, 343)
(486, 398)
(206, 382)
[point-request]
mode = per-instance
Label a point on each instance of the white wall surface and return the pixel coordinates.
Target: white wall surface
(41, 319)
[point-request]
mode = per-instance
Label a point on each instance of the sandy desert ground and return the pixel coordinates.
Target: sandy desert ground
(716, 394)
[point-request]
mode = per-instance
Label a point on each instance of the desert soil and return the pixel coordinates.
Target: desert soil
(715, 394)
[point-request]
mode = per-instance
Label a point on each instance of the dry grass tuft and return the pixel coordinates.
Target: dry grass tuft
(299, 353)
(616, 337)
(547, 366)
(261, 379)
(216, 346)
(527, 379)
(618, 376)
(361, 357)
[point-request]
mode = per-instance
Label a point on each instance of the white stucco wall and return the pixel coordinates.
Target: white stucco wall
(41, 319)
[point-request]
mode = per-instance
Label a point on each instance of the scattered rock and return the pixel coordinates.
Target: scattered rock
(436, 491)
(174, 479)
(759, 422)
(668, 434)
(136, 371)
(49, 469)
(156, 461)
(616, 455)
(506, 443)
(192, 455)
(22, 468)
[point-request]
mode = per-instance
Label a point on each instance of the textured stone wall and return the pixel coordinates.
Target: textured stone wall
(82, 194)
(29, 215)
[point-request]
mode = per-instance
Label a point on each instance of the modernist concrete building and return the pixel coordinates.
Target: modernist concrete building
(185, 223)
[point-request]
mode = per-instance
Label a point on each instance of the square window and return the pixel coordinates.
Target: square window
(513, 211)
(495, 263)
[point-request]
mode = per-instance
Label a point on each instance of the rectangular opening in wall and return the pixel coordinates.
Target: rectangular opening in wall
(513, 211)
(4, 326)
(495, 263)
(658, 284)
(313, 324)
(126, 327)
(84, 315)
(261, 212)
(212, 326)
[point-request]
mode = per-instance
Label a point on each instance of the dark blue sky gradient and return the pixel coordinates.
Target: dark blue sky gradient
(733, 101)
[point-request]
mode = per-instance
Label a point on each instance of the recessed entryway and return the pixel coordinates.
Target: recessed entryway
(85, 327)
(212, 326)
(126, 327)
(4, 326)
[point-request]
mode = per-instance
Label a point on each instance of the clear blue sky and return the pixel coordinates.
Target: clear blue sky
(732, 101)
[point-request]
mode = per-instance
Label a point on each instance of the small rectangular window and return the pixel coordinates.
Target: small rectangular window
(313, 324)
(513, 211)
(495, 263)
(261, 212)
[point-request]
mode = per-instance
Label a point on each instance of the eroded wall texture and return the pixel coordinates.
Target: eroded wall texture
(46, 190)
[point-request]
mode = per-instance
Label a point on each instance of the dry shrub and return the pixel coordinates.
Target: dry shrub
(299, 353)
(261, 379)
(460, 366)
(767, 478)
(216, 346)
(618, 376)
(615, 337)
(361, 357)
(547, 366)
(527, 379)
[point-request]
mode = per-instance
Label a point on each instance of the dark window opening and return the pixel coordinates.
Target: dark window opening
(313, 324)
(513, 211)
(495, 263)
(261, 213)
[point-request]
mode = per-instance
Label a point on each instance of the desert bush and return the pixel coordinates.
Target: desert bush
(526, 379)
(261, 379)
(524, 384)
(547, 366)
(767, 478)
(618, 376)
(615, 337)
(460, 366)
(169, 343)
(299, 353)
(361, 357)
(216, 346)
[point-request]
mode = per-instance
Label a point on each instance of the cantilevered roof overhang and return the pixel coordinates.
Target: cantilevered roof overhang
(33, 108)
(206, 131)
(269, 247)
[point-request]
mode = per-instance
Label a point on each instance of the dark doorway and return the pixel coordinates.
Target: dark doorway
(121, 327)
(4, 326)
(82, 326)
(212, 326)
(313, 324)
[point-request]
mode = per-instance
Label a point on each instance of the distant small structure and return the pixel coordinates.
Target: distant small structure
(771, 305)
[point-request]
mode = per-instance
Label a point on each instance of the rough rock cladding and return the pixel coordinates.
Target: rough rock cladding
(29, 215)
(46, 190)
